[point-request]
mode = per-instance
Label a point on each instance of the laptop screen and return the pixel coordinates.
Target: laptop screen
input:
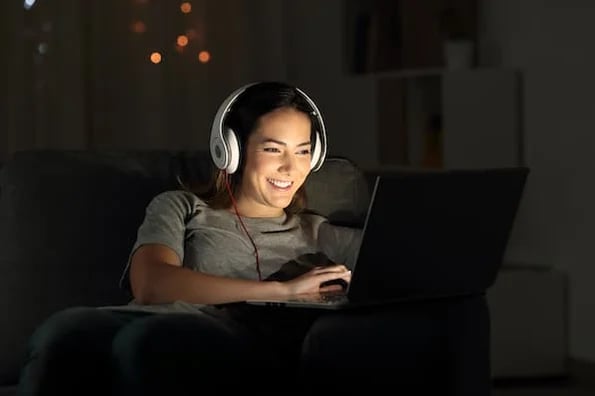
(440, 232)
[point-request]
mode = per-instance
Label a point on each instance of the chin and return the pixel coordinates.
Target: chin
(278, 204)
(283, 205)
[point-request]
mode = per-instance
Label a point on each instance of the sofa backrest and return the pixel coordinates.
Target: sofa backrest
(69, 218)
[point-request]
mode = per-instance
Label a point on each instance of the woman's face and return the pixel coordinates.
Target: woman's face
(277, 163)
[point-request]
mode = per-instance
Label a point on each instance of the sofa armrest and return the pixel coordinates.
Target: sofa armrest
(21, 313)
(8, 390)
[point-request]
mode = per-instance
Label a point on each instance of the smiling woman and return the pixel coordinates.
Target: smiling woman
(200, 254)
(277, 163)
(242, 126)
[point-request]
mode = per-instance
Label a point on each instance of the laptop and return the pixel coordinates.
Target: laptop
(428, 234)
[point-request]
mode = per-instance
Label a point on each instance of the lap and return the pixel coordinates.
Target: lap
(401, 344)
(75, 325)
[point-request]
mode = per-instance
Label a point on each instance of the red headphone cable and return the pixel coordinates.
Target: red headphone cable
(235, 207)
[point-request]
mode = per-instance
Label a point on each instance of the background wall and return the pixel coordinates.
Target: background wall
(95, 89)
(551, 41)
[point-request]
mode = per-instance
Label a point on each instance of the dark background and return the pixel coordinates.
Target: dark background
(76, 75)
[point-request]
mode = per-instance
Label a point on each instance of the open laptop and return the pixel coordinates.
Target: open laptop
(428, 234)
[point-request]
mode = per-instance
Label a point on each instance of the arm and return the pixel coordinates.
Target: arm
(157, 276)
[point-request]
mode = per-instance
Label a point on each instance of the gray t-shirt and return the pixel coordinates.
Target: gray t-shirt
(213, 241)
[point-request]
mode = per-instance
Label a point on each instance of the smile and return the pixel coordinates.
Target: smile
(280, 183)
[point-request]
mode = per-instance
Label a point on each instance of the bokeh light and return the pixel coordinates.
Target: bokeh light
(182, 40)
(155, 57)
(204, 56)
(186, 7)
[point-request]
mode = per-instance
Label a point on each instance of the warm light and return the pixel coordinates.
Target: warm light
(182, 40)
(186, 7)
(204, 56)
(138, 27)
(155, 57)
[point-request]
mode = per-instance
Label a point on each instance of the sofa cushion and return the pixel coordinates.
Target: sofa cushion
(339, 191)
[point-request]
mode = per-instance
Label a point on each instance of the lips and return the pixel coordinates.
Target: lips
(282, 184)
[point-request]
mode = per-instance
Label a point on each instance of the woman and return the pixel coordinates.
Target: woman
(198, 256)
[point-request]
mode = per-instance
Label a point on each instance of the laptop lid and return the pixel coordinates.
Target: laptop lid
(435, 233)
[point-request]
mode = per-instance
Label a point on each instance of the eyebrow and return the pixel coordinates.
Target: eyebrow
(268, 140)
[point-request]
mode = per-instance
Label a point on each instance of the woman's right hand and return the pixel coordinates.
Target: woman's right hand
(312, 281)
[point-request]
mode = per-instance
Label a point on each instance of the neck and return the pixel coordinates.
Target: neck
(248, 208)
(247, 211)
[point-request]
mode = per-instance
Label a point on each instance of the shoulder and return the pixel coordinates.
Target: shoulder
(310, 219)
(177, 201)
(323, 226)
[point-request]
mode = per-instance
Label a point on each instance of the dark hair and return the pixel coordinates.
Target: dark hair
(256, 101)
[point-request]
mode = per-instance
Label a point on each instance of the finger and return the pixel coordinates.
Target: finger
(331, 269)
(330, 276)
(347, 276)
(331, 288)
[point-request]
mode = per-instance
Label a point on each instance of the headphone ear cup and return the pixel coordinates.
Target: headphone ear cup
(315, 158)
(219, 152)
(233, 152)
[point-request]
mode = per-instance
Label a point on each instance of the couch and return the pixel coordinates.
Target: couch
(68, 220)
(529, 323)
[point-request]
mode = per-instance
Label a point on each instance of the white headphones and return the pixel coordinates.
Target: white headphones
(225, 146)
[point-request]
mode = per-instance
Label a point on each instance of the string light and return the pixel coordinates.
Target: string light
(182, 40)
(186, 7)
(204, 56)
(187, 41)
(155, 57)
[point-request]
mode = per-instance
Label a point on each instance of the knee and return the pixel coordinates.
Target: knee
(167, 332)
(66, 351)
(329, 333)
(70, 328)
(165, 352)
(181, 338)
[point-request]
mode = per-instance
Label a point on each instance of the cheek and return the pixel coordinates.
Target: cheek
(304, 171)
(305, 166)
(258, 163)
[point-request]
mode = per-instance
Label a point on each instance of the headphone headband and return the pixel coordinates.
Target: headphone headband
(224, 143)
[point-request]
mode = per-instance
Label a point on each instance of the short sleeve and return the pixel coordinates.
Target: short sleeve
(164, 224)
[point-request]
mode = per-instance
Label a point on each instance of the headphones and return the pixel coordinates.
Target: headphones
(225, 146)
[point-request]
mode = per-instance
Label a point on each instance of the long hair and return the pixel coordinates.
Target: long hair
(256, 101)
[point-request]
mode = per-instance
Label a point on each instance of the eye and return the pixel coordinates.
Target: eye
(271, 150)
(304, 152)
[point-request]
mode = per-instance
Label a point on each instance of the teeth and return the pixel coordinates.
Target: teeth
(280, 183)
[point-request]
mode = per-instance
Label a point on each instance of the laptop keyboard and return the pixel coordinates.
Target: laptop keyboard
(325, 298)
(333, 298)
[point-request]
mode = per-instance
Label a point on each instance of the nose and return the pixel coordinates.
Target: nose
(287, 163)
